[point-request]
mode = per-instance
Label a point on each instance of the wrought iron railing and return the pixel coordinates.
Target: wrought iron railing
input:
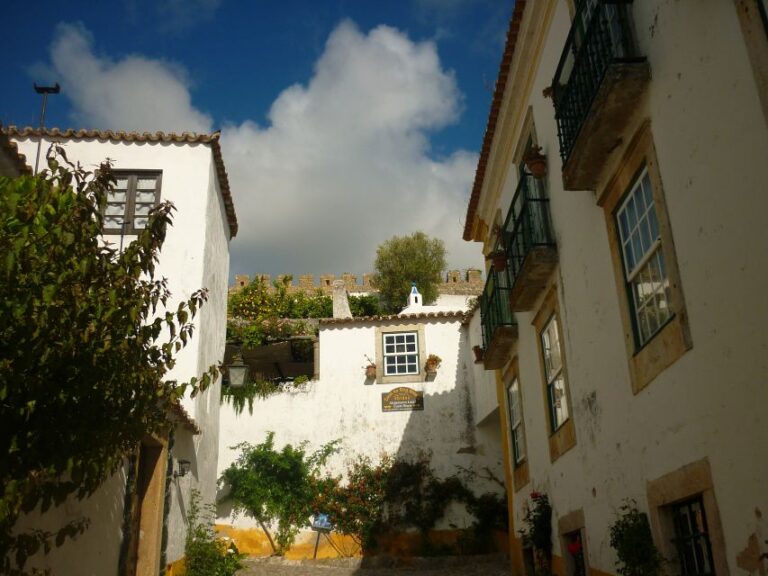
(527, 226)
(600, 35)
(494, 305)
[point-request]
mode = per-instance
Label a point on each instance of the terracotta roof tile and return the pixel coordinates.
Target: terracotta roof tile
(11, 151)
(459, 314)
(179, 415)
(111, 136)
(490, 130)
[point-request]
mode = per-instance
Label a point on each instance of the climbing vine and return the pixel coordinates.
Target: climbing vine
(631, 538)
(257, 389)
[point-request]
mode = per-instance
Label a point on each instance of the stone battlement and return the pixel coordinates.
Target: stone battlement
(468, 282)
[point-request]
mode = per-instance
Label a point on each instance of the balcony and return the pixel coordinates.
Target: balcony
(598, 84)
(529, 243)
(499, 326)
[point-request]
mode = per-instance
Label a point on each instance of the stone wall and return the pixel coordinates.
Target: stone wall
(467, 282)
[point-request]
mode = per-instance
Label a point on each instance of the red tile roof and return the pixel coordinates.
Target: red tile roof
(493, 115)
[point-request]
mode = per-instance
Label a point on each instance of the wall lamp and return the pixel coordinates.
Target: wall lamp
(237, 372)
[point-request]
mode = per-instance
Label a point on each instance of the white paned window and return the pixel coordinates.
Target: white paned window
(553, 372)
(401, 353)
(516, 421)
(129, 204)
(644, 269)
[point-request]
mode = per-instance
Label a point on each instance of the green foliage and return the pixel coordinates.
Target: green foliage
(248, 393)
(259, 301)
(86, 343)
(206, 554)
(402, 260)
(631, 538)
(277, 486)
(266, 331)
(397, 495)
(356, 507)
(364, 305)
(538, 529)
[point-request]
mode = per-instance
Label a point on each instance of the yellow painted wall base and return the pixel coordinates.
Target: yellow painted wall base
(175, 568)
(254, 542)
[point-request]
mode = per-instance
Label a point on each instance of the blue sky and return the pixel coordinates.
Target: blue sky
(416, 77)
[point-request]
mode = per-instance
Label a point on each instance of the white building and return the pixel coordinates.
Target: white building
(402, 411)
(187, 170)
(627, 326)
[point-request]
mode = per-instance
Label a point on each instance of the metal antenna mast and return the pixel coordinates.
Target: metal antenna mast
(44, 90)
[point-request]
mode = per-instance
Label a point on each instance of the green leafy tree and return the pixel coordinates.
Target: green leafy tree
(402, 260)
(277, 486)
(86, 343)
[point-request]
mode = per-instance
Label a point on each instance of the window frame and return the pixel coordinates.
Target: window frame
(396, 355)
(693, 539)
(563, 437)
(130, 199)
(672, 340)
(654, 251)
(518, 469)
(515, 407)
(380, 331)
(550, 379)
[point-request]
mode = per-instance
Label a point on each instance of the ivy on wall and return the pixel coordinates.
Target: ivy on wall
(256, 389)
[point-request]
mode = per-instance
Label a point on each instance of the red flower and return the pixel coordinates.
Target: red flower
(574, 547)
(535, 495)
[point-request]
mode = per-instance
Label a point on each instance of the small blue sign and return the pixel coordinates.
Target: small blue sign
(321, 523)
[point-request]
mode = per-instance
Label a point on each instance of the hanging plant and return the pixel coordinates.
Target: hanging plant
(433, 363)
(499, 260)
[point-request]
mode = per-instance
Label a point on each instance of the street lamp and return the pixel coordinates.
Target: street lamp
(237, 372)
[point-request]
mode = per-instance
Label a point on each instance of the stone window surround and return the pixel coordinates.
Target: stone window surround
(694, 479)
(564, 438)
(674, 339)
(406, 378)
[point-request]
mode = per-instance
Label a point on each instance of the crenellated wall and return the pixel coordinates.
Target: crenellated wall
(466, 282)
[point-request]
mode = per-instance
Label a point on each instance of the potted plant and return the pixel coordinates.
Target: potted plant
(370, 368)
(479, 353)
(499, 260)
(536, 162)
(432, 364)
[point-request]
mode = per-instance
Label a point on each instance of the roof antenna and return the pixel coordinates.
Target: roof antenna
(44, 90)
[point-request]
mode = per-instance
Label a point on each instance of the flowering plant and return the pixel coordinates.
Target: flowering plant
(574, 547)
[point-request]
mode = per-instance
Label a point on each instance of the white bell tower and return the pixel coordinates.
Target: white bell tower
(414, 298)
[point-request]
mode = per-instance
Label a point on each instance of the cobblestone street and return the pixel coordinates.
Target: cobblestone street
(479, 566)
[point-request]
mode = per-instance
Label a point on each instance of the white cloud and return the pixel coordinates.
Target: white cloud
(342, 164)
(131, 93)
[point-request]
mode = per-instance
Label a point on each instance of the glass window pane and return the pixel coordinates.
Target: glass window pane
(113, 222)
(410, 347)
(148, 197)
(623, 229)
(140, 223)
(114, 209)
(654, 224)
(117, 196)
(631, 213)
(146, 183)
(142, 209)
(560, 408)
(122, 183)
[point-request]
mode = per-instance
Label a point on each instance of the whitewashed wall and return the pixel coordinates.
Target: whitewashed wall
(195, 255)
(340, 405)
(712, 143)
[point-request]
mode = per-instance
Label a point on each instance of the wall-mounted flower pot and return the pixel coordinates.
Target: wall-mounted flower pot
(370, 371)
(499, 260)
(479, 353)
(536, 162)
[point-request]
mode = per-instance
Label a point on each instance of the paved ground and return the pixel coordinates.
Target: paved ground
(477, 566)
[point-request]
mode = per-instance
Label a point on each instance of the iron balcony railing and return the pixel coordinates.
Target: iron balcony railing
(494, 305)
(600, 35)
(528, 224)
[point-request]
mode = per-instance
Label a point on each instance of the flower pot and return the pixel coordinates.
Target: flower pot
(370, 371)
(431, 367)
(479, 353)
(499, 260)
(536, 162)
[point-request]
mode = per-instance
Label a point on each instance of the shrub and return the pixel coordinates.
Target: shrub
(207, 555)
(631, 538)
